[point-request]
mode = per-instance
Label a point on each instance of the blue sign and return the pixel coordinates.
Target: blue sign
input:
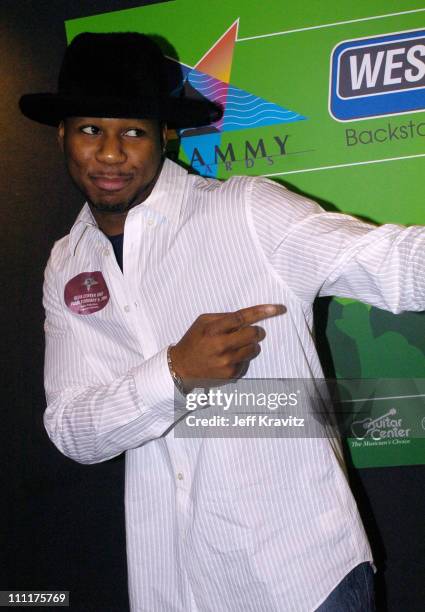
(383, 75)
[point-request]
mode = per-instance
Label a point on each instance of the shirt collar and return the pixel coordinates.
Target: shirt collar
(165, 201)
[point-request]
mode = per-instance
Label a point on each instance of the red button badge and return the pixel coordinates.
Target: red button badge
(86, 293)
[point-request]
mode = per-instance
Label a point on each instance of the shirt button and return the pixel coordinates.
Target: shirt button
(151, 221)
(180, 476)
(127, 308)
(106, 252)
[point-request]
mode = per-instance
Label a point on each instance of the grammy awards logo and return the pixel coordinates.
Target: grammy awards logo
(209, 147)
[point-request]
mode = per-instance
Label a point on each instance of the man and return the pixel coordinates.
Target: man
(230, 524)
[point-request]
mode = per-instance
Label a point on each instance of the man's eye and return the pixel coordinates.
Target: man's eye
(135, 132)
(92, 130)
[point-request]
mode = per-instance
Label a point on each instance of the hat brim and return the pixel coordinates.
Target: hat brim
(51, 109)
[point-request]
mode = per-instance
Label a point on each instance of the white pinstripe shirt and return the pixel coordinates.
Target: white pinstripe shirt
(237, 524)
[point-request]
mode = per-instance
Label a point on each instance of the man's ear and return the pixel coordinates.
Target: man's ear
(61, 135)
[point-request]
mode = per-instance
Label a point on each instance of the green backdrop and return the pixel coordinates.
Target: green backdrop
(280, 54)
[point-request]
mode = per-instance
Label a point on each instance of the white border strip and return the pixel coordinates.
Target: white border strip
(362, 163)
(377, 399)
(329, 25)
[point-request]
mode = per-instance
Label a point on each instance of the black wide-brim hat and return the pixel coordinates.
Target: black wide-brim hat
(115, 75)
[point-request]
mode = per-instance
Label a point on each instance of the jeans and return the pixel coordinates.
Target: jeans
(355, 592)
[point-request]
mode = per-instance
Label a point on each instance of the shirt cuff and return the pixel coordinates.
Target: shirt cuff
(154, 383)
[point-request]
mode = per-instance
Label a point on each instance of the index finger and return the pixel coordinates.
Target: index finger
(233, 321)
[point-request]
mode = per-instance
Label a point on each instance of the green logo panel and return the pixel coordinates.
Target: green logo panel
(328, 99)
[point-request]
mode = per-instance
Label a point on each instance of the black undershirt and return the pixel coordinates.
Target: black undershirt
(117, 244)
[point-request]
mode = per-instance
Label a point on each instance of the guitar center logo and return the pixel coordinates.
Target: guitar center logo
(379, 76)
(384, 427)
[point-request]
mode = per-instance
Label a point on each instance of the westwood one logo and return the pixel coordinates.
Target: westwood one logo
(384, 75)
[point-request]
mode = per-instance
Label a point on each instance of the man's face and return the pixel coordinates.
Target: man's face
(114, 162)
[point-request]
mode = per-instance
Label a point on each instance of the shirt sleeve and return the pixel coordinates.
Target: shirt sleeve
(91, 422)
(317, 253)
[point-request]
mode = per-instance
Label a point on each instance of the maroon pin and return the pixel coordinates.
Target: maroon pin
(86, 293)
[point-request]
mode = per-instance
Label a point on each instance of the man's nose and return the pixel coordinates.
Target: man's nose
(111, 150)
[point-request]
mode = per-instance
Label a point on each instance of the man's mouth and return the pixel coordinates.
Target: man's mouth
(107, 182)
